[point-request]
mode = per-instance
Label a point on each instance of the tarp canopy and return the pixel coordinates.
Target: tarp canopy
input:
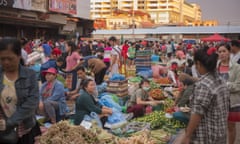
(214, 38)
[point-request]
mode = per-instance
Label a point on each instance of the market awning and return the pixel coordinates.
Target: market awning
(214, 38)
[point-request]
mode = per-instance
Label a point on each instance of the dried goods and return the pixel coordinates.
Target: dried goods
(64, 133)
(157, 94)
(142, 137)
(164, 81)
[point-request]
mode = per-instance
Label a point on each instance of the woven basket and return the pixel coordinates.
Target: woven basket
(117, 89)
(116, 83)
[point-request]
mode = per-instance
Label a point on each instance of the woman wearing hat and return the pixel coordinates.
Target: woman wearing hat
(52, 99)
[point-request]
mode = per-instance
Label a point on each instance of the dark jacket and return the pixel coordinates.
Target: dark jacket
(85, 104)
(28, 98)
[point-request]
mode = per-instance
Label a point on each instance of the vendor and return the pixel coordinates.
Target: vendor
(165, 72)
(97, 66)
(52, 99)
(182, 102)
(140, 100)
(85, 104)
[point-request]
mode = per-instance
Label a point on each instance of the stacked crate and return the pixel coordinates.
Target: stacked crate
(120, 88)
(143, 60)
(131, 71)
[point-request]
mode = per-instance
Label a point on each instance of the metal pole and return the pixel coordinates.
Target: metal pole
(133, 22)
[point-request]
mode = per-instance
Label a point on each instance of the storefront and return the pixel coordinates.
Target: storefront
(37, 19)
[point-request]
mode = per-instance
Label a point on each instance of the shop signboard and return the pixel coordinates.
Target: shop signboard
(21, 4)
(63, 6)
(6, 3)
(39, 5)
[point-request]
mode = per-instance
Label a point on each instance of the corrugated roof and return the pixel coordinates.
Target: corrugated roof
(174, 30)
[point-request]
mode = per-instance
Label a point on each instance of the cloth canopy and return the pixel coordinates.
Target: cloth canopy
(214, 38)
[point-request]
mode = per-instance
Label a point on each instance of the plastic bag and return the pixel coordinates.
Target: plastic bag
(108, 101)
(102, 87)
(145, 74)
(117, 77)
(93, 116)
(116, 117)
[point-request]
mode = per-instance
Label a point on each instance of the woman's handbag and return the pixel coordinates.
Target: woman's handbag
(8, 136)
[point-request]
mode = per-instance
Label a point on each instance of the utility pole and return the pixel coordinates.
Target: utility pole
(133, 21)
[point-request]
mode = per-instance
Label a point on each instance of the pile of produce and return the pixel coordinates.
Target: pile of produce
(157, 94)
(147, 137)
(103, 136)
(160, 136)
(168, 104)
(157, 119)
(142, 137)
(135, 80)
(64, 133)
(163, 81)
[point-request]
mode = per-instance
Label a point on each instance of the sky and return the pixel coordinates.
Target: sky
(225, 11)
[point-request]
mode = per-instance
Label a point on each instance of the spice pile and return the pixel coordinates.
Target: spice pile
(64, 133)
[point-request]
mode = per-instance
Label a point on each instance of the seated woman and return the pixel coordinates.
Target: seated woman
(182, 102)
(85, 104)
(52, 99)
(140, 100)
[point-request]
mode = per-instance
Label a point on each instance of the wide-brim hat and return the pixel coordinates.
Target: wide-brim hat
(49, 70)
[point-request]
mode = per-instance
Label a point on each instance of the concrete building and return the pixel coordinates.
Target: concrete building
(163, 12)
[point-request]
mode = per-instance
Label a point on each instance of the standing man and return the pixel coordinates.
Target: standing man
(115, 57)
(235, 49)
(169, 50)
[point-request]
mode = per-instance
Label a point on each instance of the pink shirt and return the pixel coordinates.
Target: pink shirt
(107, 54)
(72, 60)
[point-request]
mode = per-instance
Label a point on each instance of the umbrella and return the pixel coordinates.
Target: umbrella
(215, 38)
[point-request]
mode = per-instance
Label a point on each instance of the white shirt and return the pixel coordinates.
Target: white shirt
(235, 57)
(116, 51)
(24, 56)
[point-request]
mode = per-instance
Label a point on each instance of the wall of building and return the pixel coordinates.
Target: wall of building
(83, 9)
(161, 11)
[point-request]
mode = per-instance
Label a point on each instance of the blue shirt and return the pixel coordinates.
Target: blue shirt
(47, 49)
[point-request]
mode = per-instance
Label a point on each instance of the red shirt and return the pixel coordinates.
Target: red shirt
(124, 50)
